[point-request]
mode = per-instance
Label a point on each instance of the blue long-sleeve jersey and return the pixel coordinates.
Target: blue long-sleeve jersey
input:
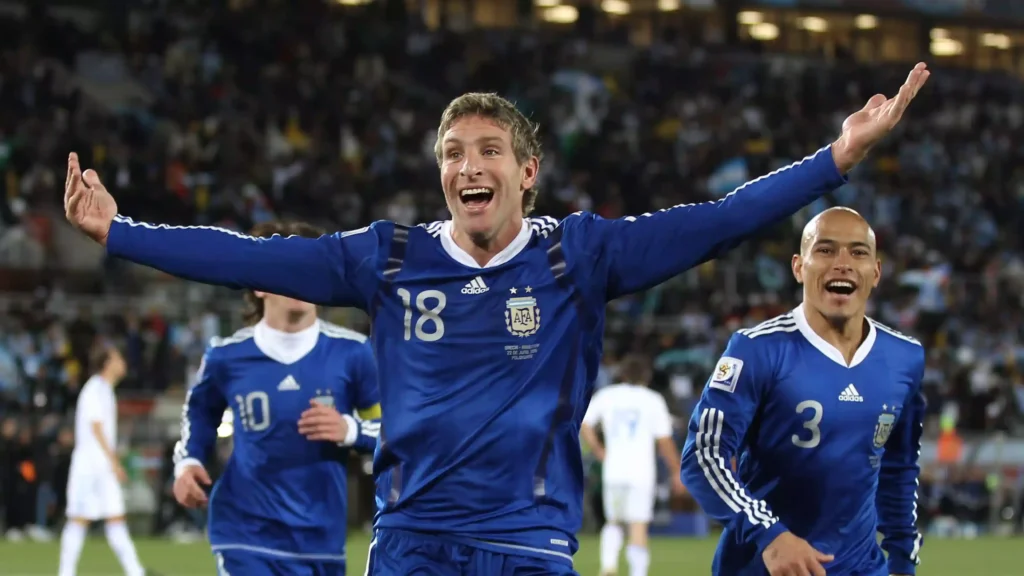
(825, 449)
(281, 495)
(485, 372)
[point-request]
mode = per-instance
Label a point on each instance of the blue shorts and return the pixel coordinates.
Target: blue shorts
(244, 563)
(400, 553)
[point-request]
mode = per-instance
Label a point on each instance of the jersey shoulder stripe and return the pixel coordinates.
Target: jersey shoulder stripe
(237, 338)
(433, 228)
(334, 331)
(893, 332)
(542, 225)
(780, 324)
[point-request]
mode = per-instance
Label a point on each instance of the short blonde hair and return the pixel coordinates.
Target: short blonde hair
(525, 143)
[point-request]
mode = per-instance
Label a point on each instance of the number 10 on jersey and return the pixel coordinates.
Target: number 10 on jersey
(428, 327)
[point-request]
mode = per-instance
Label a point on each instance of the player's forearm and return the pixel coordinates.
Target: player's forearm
(298, 267)
(97, 432)
(669, 453)
(661, 245)
(591, 440)
(362, 434)
(708, 476)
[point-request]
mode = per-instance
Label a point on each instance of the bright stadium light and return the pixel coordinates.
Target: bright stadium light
(865, 22)
(351, 3)
(813, 24)
(561, 14)
(668, 5)
(546, 3)
(615, 6)
(946, 47)
(749, 17)
(226, 428)
(764, 31)
(1000, 41)
(939, 34)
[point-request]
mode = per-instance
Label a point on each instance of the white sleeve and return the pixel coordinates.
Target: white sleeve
(594, 411)
(661, 420)
(89, 405)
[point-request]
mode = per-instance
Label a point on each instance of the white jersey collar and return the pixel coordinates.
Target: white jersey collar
(286, 347)
(463, 257)
(829, 350)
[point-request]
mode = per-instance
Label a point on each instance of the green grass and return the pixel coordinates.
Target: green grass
(669, 557)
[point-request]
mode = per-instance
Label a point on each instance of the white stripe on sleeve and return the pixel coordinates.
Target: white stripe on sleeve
(719, 473)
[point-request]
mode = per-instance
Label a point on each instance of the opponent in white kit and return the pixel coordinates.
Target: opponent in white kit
(95, 477)
(634, 419)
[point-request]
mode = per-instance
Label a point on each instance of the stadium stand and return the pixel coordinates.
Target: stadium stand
(235, 113)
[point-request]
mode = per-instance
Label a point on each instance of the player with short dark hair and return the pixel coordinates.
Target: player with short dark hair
(292, 382)
(487, 327)
(823, 409)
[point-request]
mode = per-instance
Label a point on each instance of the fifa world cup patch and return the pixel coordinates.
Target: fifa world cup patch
(727, 374)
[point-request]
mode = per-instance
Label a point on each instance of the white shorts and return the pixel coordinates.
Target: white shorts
(94, 496)
(624, 503)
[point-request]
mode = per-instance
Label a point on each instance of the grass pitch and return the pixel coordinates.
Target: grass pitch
(669, 557)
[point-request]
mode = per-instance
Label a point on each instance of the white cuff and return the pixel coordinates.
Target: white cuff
(352, 433)
(180, 467)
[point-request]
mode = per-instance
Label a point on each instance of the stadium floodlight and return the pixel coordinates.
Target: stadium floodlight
(615, 6)
(749, 17)
(865, 22)
(564, 14)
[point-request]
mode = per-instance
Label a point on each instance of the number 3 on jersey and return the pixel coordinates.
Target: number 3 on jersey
(427, 314)
(811, 424)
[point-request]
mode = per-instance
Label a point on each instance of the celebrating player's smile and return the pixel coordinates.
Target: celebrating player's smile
(487, 328)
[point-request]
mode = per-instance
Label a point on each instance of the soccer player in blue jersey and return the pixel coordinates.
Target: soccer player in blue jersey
(822, 407)
(291, 382)
(487, 328)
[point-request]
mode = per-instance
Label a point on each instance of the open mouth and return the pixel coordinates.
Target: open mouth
(476, 197)
(840, 287)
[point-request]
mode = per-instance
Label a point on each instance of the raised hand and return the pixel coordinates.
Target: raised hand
(867, 126)
(790, 555)
(87, 204)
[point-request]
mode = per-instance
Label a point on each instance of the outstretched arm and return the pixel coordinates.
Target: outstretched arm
(337, 269)
(641, 252)
(896, 499)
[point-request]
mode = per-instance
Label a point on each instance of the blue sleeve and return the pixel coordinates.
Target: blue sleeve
(337, 269)
(366, 393)
(366, 440)
(637, 253)
(366, 396)
(201, 416)
(717, 432)
(896, 500)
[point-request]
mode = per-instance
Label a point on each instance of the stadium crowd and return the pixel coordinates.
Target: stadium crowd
(263, 114)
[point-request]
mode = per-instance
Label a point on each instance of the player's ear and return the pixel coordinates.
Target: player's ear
(878, 273)
(798, 268)
(529, 171)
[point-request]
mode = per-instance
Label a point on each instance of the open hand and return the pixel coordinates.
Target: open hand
(790, 555)
(87, 204)
(867, 126)
(320, 422)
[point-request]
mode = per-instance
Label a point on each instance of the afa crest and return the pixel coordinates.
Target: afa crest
(324, 398)
(522, 316)
(883, 429)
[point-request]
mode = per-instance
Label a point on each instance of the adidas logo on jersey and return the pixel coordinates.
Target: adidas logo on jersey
(288, 383)
(475, 286)
(851, 395)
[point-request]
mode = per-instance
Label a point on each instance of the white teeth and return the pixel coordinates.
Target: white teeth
(841, 284)
(474, 192)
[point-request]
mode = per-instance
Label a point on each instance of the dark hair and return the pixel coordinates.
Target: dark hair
(635, 369)
(98, 356)
(254, 305)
